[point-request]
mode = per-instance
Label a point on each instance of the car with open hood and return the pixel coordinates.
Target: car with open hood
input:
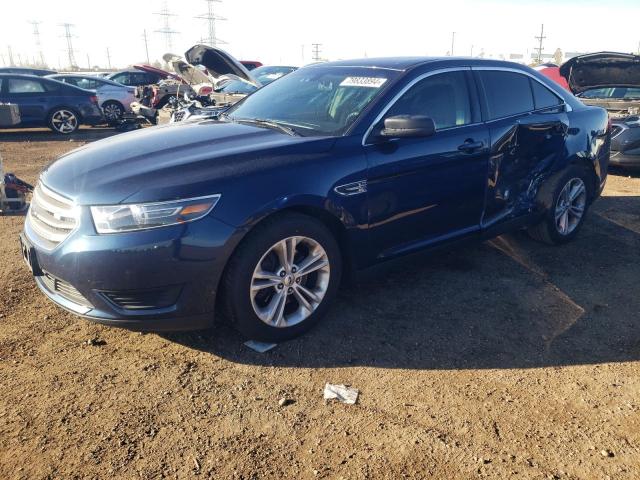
(258, 214)
(612, 81)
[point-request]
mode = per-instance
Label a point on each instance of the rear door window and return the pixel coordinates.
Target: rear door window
(443, 97)
(25, 85)
(506, 93)
(542, 96)
(122, 78)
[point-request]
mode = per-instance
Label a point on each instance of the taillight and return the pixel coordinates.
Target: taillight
(206, 90)
(93, 99)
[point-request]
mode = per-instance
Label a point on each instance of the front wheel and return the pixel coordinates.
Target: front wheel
(566, 203)
(64, 121)
(282, 279)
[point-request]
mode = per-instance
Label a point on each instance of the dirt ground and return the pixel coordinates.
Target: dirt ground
(508, 359)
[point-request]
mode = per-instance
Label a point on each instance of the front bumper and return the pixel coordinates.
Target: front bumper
(163, 279)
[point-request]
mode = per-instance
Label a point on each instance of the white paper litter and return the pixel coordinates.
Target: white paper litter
(342, 393)
(260, 347)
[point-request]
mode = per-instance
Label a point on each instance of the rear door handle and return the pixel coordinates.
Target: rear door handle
(470, 146)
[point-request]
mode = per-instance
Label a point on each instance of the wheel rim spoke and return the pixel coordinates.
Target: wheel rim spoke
(283, 293)
(570, 206)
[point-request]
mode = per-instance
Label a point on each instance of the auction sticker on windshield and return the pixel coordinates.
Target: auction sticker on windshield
(371, 82)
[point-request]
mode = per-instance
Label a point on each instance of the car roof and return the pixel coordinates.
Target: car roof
(407, 63)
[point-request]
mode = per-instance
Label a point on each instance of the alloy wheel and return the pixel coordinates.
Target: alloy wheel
(64, 121)
(570, 206)
(290, 281)
(112, 111)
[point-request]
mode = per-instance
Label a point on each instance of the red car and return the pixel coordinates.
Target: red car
(553, 72)
(251, 64)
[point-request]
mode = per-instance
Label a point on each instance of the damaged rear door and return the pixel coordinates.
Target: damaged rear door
(528, 126)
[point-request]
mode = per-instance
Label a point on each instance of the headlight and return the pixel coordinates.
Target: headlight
(127, 218)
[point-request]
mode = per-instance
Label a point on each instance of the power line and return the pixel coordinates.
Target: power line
(539, 47)
(316, 51)
(166, 31)
(36, 36)
(211, 18)
(68, 37)
(146, 45)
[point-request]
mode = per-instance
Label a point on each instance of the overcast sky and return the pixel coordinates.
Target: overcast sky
(282, 31)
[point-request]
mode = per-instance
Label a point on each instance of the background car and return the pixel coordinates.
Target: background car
(40, 72)
(48, 102)
(612, 81)
(251, 64)
(134, 77)
(114, 98)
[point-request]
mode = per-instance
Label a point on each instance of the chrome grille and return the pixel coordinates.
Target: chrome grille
(51, 216)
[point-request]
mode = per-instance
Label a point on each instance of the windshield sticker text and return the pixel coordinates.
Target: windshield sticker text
(371, 82)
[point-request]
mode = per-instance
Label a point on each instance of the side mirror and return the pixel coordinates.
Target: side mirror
(408, 126)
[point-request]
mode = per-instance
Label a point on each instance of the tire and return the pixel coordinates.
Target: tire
(253, 301)
(63, 120)
(112, 110)
(556, 199)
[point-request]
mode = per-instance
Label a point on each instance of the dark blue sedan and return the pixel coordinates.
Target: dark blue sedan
(48, 103)
(258, 214)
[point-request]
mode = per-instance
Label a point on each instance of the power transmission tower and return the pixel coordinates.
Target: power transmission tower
(36, 37)
(211, 18)
(68, 37)
(316, 51)
(146, 45)
(539, 47)
(166, 31)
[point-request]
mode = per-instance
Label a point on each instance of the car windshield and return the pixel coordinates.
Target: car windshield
(315, 100)
(613, 93)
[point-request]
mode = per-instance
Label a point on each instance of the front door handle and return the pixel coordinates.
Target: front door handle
(469, 146)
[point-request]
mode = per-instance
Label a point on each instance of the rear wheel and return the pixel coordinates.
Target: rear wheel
(63, 121)
(282, 279)
(112, 110)
(566, 202)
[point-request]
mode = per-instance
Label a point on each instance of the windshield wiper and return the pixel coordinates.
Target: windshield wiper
(269, 124)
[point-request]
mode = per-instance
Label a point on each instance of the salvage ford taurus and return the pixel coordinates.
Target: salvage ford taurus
(337, 166)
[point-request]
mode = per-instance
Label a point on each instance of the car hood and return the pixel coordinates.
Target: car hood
(604, 69)
(218, 63)
(175, 161)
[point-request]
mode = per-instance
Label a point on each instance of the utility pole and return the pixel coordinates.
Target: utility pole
(146, 45)
(88, 62)
(453, 41)
(471, 51)
(68, 37)
(166, 27)
(211, 18)
(302, 52)
(316, 51)
(108, 58)
(36, 37)
(539, 47)
(11, 64)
